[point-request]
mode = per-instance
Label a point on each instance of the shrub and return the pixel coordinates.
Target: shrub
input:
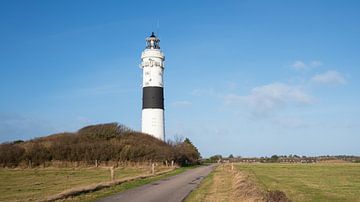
(10, 154)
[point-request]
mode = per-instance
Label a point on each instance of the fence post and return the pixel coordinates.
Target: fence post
(172, 163)
(96, 163)
(232, 166)
(153, 168)
(112, 175)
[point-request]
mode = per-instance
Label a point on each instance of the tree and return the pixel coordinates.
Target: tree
(215, 158)
(186, 153)
(274, 158)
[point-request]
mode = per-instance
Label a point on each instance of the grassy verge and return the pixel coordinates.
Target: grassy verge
(202, 191)
(37, 184)
(125, 186)
(309, 182)
(217, 186)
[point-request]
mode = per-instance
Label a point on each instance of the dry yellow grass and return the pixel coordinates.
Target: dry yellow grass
(226, 185)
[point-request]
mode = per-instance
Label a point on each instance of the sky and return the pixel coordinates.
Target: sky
(248, 78)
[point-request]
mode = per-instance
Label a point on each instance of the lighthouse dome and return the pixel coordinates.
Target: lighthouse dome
(152, 42)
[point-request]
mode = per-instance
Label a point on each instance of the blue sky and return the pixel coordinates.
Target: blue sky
(248, 78)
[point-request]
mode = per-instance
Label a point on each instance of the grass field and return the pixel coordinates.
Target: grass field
(309, 182)
(36, 184)
(300, 182)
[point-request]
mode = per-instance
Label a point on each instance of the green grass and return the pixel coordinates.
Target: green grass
(125, 186)
(203, 190)
(309, 182)
(36, 184)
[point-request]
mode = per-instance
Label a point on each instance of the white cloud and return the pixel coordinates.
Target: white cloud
(181, 103)
(267, 98)
(329, 77)
(316, 63)
(301, 65)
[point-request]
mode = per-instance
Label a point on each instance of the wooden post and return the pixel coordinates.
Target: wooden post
(166, 163)
(30, 164)
(112, 175)
(67, 182)
(172, 163)
(232, 166)
(96, 163)
(153, 168)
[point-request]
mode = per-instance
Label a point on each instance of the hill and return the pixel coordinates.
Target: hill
(97, 143)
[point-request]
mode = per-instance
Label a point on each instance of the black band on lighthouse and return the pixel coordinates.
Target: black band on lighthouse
(153, 97)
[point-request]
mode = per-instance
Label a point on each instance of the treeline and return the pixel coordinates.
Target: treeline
(282, 159)
(98, 143)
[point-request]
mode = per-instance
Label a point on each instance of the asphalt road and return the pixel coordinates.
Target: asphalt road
(174, 188)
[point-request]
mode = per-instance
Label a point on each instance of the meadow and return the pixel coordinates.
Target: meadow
(308, 182)
(300, 182)
(39, 183)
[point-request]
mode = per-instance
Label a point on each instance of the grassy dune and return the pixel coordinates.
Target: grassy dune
(36, 184)
(309, 182)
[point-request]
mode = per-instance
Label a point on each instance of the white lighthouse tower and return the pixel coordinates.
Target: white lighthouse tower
(152, 63)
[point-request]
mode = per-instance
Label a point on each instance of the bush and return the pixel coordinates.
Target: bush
(186, 153)
(37, 154)
(10, 154)
(104, 131)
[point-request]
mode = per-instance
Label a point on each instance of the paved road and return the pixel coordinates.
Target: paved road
(174, 188)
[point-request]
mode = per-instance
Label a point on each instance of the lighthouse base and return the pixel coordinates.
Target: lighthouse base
(153, 123)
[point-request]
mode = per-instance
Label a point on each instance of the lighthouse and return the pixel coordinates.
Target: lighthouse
(152, 64)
